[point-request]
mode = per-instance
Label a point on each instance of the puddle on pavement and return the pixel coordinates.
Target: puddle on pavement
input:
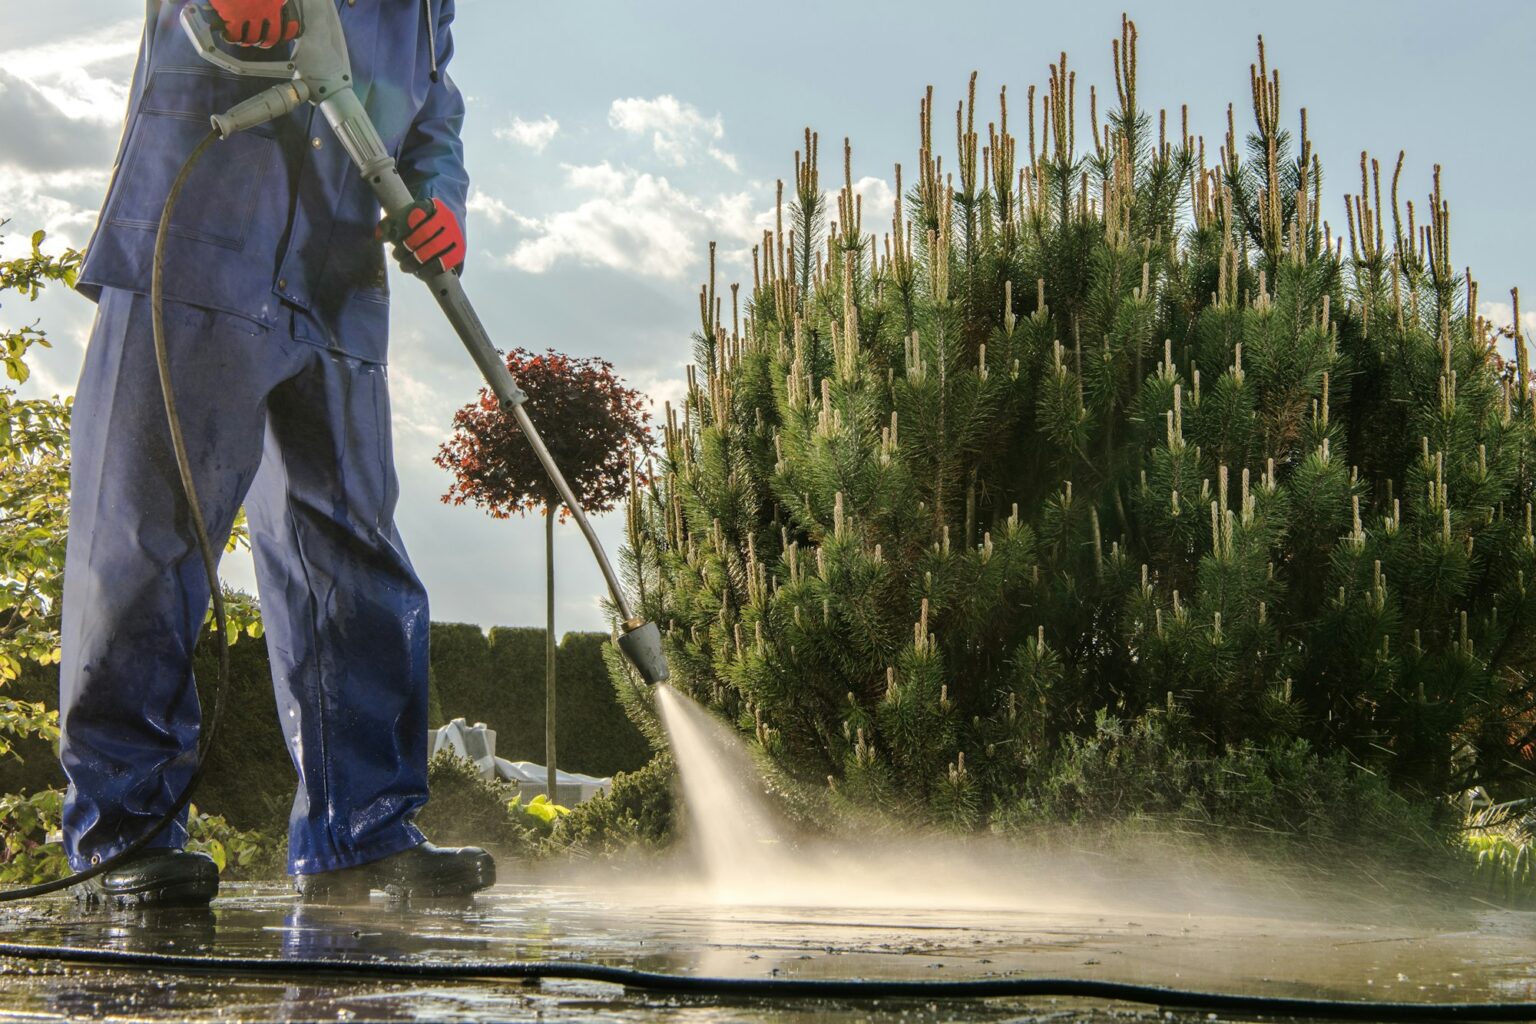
(1435, 954)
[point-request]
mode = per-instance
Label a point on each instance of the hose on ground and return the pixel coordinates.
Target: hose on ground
(847, 989)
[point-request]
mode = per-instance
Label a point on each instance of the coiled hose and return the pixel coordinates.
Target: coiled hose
(514, 970)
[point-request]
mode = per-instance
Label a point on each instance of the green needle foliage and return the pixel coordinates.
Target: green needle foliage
(1117, 430)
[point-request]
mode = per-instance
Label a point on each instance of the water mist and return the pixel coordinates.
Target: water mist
(745, 855)
(730, 820)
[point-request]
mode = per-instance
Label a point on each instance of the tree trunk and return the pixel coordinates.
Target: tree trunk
(550, 508)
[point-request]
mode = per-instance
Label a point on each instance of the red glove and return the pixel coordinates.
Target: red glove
(424, 234)
(262, 23)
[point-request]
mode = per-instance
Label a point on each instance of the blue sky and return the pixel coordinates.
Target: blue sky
(610, 141)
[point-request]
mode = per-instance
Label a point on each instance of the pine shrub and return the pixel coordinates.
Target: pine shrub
(1099, 433)
(637, 814)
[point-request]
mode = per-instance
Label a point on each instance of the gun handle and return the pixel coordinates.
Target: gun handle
(197, 21)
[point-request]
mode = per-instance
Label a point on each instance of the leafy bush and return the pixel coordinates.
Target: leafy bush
(241, 854)
(638, 814)
(1504, 866)
(32, 853)
(34, 505)
(27, 824)
(466, 810)
(1103, 431)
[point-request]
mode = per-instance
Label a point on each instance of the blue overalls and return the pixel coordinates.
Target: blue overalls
(277, 319)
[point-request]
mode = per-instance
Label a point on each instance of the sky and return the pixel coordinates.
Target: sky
(610, 142)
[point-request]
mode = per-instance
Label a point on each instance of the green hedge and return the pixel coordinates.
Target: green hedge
(517, 660)
(461, 665)
(498, 680)
(250, 779)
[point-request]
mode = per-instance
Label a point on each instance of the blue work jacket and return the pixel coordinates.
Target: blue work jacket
(277, 216)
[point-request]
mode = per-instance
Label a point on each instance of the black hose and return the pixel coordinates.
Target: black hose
(210, 729)
(795, 988)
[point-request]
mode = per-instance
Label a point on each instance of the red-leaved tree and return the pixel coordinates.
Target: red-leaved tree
(595, 428)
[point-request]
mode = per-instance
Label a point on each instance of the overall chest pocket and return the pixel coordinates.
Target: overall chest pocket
(222, 194)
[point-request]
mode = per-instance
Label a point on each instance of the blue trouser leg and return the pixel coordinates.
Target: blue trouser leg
(135, 592)
(345, 615)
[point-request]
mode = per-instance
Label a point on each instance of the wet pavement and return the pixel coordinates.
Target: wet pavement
(1463, 953)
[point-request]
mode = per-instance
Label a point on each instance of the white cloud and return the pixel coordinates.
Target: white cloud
(661, 385)
(728, 159)
(1502, 315)
(61, 108)
(84, 75)
(877, 206)
(420, 412)
(635, 222)
(536, 135)
(62, 203)
(678, 131)
(603, 178)
(483, 204)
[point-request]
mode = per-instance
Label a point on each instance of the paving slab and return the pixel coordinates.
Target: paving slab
(1471, 953)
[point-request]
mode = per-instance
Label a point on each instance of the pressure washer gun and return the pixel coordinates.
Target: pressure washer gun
(319, 71)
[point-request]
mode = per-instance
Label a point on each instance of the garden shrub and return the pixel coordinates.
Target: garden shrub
(242, 855)
(637, 815)
(1504, 867)
(1109, 423)
(30, 852)
(33, 764)
(467, 810)
(1152, 769)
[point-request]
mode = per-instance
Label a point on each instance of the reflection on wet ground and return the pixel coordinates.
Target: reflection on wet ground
(1432, 954)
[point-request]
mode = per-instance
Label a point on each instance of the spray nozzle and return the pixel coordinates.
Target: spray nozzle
(642, 646)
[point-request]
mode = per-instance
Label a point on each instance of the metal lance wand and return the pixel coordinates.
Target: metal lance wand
(319, 71)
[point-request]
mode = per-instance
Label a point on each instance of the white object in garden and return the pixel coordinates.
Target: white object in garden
(571, 788)
(477, 743)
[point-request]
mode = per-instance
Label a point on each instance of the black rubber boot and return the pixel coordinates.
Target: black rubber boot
(422, 872)
(155, 878)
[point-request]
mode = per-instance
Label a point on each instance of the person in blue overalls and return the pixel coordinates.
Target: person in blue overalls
(276, 317)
